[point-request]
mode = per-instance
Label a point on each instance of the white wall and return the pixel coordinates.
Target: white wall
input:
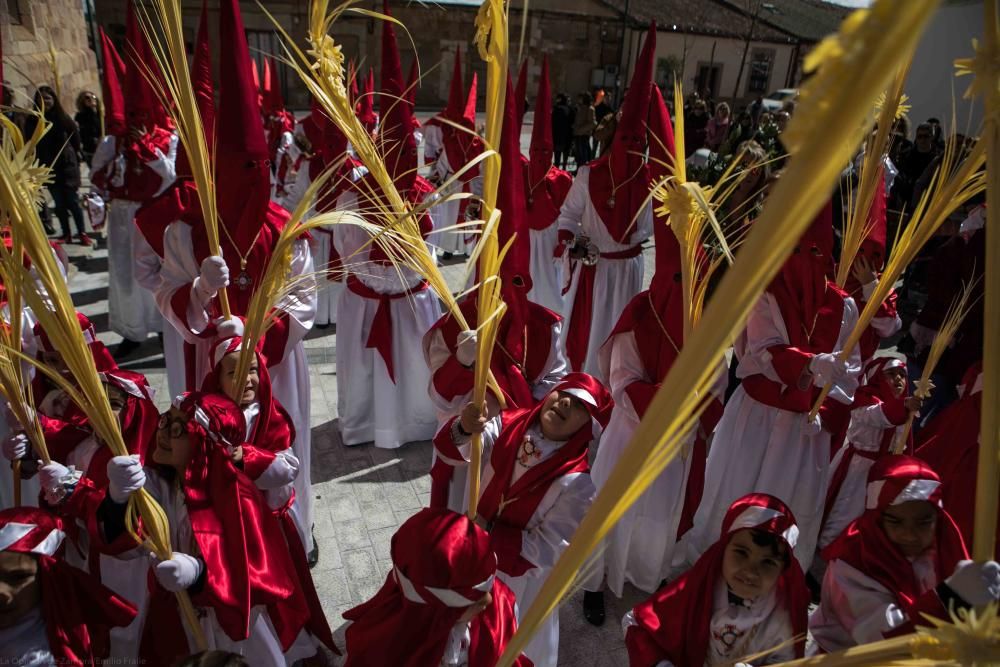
(932, 77)
(698, 49)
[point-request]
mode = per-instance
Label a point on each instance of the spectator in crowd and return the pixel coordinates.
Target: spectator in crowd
(740, 131)
(59, 149)
(717, 129)
(756, 109)
(562, 130)
(912, 163)
(602, 107)
(584, 125)
(88, 120)
(935, 124)
(694, 126)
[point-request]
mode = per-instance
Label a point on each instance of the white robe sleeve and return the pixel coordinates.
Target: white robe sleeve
(300, 304)
(571, 214)
(146, 263)
(843, 390)
(104, 154)
(165, 165)
(436, 354)
(855, 609)
(179, 270)
(552, 525)
(555, 366)
(625, 367)
(883, 326)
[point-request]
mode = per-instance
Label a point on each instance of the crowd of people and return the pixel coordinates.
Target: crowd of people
(769, 512)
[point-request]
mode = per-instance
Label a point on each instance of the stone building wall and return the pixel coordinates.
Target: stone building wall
(29, 27)
(579, 36)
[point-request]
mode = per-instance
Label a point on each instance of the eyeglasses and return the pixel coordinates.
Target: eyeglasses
(175, 427)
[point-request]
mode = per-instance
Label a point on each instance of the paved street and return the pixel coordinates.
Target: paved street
(362, 493)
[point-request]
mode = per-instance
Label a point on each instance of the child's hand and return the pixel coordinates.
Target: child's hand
(913, 404)
(863, 270)
(178, 573)
(473, 419)
(976, 583)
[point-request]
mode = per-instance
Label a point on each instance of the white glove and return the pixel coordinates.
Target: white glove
(827, 368)
(16, 446)
(179, 573)
(465, 351)
(125, 477)
(282, 471)
(813, 426)
(229, 328)
(214, 275)
(976, 583)
(57, 481)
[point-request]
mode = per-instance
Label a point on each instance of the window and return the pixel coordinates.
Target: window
(668, 69)
(761, 63)
(14, 12)
(708, 79)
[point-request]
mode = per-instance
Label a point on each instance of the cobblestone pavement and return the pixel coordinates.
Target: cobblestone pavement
(362, 493)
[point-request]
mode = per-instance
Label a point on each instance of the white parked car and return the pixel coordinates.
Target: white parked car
(777, 99)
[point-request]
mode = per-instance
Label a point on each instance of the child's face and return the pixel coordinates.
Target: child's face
(173, 444)
(911, 526)
(562, 416)
(19, 589)
(251, 385)
(117, 399)
(896, 377)
(475, 609)
(750, 570)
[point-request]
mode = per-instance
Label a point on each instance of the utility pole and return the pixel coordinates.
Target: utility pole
(746, 45)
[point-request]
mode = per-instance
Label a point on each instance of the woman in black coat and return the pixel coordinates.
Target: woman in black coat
(88, 121)
(59, 149)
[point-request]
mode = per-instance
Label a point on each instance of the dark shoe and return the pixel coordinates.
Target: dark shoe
(49, 229)
(321, 326)
(85, 240)
(313, 556)
(593, 607)
(447, 255)
(126, 347)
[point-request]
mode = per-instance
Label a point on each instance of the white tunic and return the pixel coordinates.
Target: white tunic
(616, 280)
(371, 406)
(762, 449)
(147, 274)
(290, 378)
(855, 609)
(545, 537)
(132, 311)
(26, 643)
(546, 270)
(864, 433)
(640, 547)
(262, 646)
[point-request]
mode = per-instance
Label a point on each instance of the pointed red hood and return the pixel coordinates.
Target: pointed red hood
(204, 90)
(142, 106)
(111, 87)
(542, 146)
(243, 178)
(398, 144)
(469, 113)
(619, 181)
(366, 104)
(456, 93)
(275, 100)
(661, 150)
(413, 82)
(521, 92)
